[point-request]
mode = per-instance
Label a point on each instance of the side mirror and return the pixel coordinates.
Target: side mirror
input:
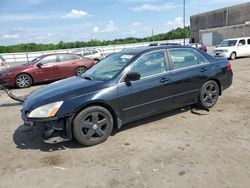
(132, 76)
(39, 65)
(240, 44)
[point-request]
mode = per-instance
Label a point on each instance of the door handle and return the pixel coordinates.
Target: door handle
(203, 70)
(164, 80)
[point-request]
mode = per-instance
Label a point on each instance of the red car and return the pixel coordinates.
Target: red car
(45, 68)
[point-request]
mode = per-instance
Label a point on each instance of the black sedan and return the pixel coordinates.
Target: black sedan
(124, 87)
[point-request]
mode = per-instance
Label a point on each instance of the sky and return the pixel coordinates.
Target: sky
(51, 21)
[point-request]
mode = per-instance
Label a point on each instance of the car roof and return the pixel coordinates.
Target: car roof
(140, 50)
(238, 38)
(45, 55)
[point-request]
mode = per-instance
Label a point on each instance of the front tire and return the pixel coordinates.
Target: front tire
(233, 56)
(209, 94)
(23, 81)
(93, 125)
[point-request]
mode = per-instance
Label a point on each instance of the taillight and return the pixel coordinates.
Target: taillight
(229, 67)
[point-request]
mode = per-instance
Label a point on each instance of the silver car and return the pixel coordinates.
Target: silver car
(95, 54)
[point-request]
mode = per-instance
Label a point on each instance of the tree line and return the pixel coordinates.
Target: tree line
(32, 47)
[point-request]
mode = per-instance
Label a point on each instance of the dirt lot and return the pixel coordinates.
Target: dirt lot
(175, 149)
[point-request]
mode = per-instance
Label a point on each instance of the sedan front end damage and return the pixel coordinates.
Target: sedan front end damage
(55, 129)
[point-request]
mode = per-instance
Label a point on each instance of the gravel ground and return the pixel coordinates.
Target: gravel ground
(174, 149)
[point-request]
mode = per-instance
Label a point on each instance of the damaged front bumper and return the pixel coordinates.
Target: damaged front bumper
(55, 129)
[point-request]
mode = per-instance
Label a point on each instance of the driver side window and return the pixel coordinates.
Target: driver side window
(49, 59)
(150, 64)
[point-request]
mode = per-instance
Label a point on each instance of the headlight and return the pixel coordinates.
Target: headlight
(225, 50)
(48, 110)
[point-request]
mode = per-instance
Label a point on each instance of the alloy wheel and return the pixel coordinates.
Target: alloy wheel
(210, 95)
(80, 70)
(94, 125)
(23, 81)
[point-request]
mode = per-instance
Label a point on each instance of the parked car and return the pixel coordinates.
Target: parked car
(233, 48)
(2, 62)
(124, 87)
(164, 44)
(45, 68)
(95, 54)
(200, 46)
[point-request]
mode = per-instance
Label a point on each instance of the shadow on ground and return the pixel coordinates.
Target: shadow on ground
(26, 138)
(10, 104)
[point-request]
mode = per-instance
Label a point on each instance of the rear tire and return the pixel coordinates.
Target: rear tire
(23, 81)
(80, 70)
(233, 56)
(209, 94)
(93, 125)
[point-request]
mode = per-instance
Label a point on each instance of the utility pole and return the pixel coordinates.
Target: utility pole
(184, 18)
(153, 35)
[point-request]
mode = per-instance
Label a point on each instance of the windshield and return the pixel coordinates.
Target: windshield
(228, 43)
(33, 61)
(108, 68)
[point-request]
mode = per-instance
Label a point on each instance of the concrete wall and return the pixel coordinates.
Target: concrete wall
(221, 33)
(229, 16)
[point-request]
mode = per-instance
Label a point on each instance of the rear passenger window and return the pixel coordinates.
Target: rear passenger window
(76, 57)
(66, 58)
(242, 42)
(183, 58)
(86, 53)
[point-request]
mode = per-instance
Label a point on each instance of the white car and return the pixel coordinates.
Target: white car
(233, 48)
(95, 54)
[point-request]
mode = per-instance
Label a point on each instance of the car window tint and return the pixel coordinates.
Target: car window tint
(248, 41)
(242, 42)
(150, 64)
(182, 58)
(66, 58)
(75, 57)
(85, 53)
(49, 59)
(94, 52)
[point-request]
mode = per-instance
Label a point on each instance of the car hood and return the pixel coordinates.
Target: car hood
(61, 91)
(15, 68)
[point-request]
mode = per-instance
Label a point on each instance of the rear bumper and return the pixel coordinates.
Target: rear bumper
(227, 81)
(54, 129)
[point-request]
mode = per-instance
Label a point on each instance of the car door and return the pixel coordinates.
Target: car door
(67, 65)
(47, 69)
(152, 92)
(241, 48)
(189, 71)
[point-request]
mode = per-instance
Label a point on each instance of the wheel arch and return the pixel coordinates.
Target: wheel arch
(218, 83)
(234, 53)
(32, 79)
(102, 104)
